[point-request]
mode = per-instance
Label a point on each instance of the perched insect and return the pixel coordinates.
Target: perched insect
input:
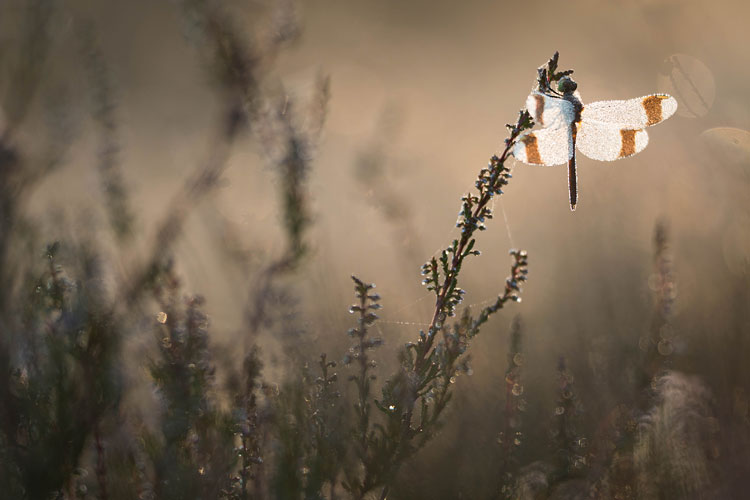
(604, 130)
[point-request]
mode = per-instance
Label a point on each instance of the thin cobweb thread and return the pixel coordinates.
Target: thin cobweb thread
(505, 214)
(412, 303)
(507, 224)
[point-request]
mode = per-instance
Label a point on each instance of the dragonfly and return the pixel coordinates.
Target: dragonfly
(603, 130)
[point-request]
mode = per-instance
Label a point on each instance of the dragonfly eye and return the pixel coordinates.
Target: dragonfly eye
(566, 85)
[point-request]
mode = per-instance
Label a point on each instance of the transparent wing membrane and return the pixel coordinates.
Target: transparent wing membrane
(549, 112)
(548, 146)
(606, 142)
(633, 113)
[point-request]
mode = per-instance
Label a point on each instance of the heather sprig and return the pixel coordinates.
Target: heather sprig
(330, 438)
(237, 68)
(289, 140)
(68, 383)
(448, 359)
(441, 273)
(570, 445)
(358, 353)
(658, 343)
(193, 454)
(248, 426)
(428, 370)
(103, 111)
(510, 437)
(368, 447)
(310, 436)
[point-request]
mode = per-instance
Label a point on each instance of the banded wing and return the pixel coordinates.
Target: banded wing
(555, 143)
(549, 111)
(607, 142)
(551, 146)
(632, 114)
(548, 146)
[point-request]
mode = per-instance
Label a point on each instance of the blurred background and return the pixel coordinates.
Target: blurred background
(420, 93)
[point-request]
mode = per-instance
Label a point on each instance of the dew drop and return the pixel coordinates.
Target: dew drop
(559, 410)
(643, 343)
(161, 317)
(653, 282)
(517, 389)
(665, 347)
(518, 359)
(517, 439)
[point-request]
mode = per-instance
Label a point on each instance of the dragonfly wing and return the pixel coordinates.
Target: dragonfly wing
(549, 112)
(607, 142)
(548, 146)
(632, 113)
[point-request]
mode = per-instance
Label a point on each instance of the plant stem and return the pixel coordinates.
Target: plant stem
(459, 255)
(101, 467)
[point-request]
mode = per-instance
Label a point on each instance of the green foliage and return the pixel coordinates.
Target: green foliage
(103, 109)
(569, 445)
(248, 424)
(414, 398)
(510, 437)
(69, 425)
(67, 379)
(310, 434)
(193, 455)
(63, 396)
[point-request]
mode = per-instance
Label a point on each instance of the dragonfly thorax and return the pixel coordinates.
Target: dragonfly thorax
(566, 85)
(573, 99)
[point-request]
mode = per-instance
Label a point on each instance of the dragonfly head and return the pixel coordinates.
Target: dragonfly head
(566, 85)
